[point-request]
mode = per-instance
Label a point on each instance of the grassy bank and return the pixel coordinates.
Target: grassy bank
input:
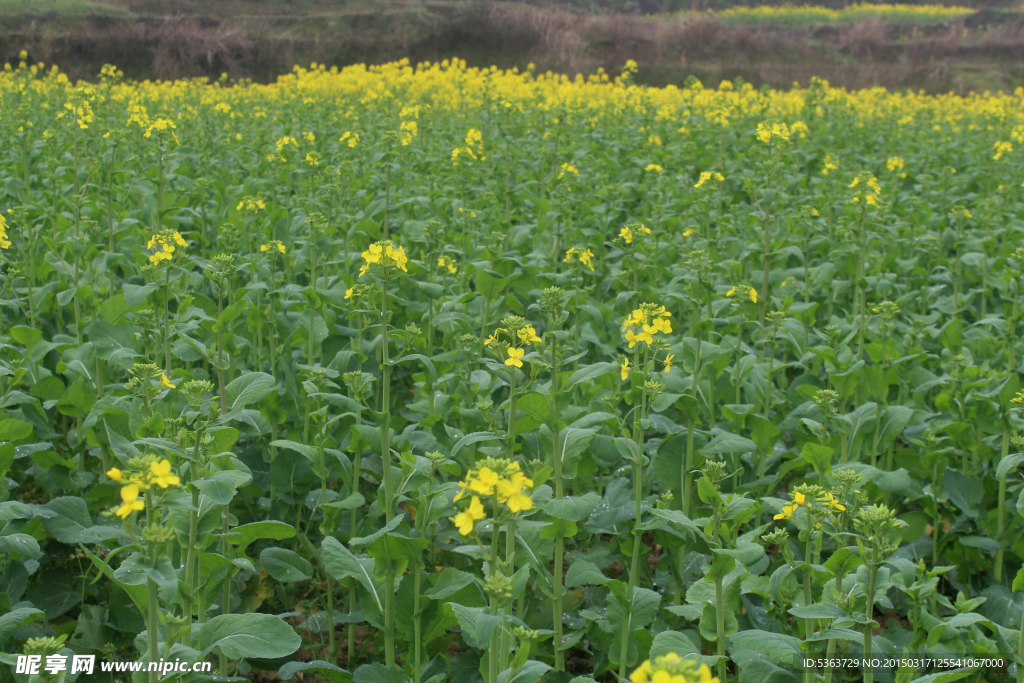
(896, 46)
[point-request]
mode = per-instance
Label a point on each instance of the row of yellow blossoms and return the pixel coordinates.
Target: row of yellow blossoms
(437, 89)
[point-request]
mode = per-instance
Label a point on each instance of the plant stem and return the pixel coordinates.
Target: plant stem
(559, 494)
(869, 609)
(152, 600)
(385, 454)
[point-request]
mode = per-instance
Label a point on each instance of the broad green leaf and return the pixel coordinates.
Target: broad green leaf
(238, 636)
(583, 573)
(449, 582)
(221, 487)
(245, 534)
(285, 565)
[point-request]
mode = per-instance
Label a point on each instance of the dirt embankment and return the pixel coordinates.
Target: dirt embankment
(981, 51)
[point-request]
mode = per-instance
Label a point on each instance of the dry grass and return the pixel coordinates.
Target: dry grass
(866, 53)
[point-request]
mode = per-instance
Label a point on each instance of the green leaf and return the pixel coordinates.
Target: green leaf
(842, 562)
(946, 676)
(819, 610)
(708, 624)
(14, 430)
(726, 442)
(378, 673)
(721, 565)
(342, 564)
(584, 573)
(311, 453)
(573, 508)
(763, 432)
(245, 534)
(591, 372)
(72, 524)
(229, 315)
(1010, 462)
(395, 551)
(449, 582)
(819, 457)
(777, 647)
(16, 618)
(238, 636)
(475, 437)
(673, 641)
(964, 492)
(386, 529)
(530, 672)
(249, 388)
(221, 487)
(1018, 581)
(332, 672)
(20, 544)
(421, 358)
(476, 624)
(285, 565)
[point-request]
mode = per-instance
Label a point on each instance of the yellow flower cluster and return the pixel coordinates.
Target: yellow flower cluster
(5, 242)
(651, 319)
(789, 508)
(894, 164)
(467, 519)
(164, 247)
(744, 291)
(407, 131)
(830, 164)
(568, 169)
(386, 255)
(705, 176)
(273, 245)
(584, 256)
(671, 668)
(251, 204)
(654, 168)
(349, 138)
(158, 474)
(869, 189)
(1001, 148)
(627, 233)
(772, 129)
(161, 125)
(442, 262)
(499, 479)
(81, 112)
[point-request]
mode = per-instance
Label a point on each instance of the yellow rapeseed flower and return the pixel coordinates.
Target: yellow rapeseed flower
(467, 519)
(130, 501)
(514, 356)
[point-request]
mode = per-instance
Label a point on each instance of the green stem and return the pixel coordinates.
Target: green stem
(720, 627)
(385, 454)
(560, 534)
(869, 609)
(152, 601)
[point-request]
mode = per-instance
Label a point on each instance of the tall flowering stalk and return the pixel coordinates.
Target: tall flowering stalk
(163, 247)
(386, 260)
(640, 329)
(510, 342)
(774, 136)
(152, 477)
(501, 482)
(578, 259)
(553, 302)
